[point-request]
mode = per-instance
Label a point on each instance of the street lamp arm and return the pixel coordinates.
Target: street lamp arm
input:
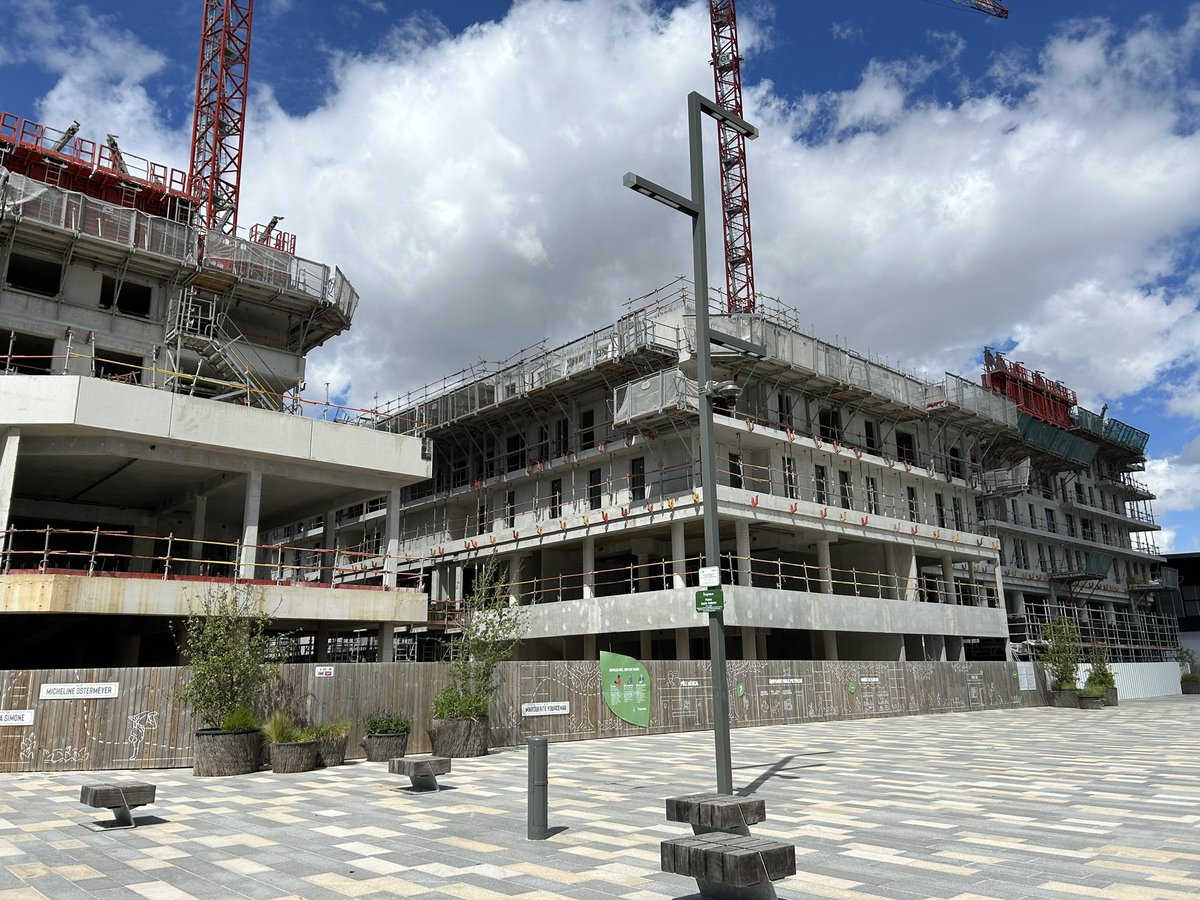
(663, 195)
(721, 114)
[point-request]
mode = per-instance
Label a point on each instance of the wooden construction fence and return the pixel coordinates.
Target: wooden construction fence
(127, 718)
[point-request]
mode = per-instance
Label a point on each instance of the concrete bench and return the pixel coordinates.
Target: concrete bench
(120, 798)
(421, 770)
(730, 865)
(716, 812)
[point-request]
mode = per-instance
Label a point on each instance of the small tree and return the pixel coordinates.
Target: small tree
(1062, 653)
(228, 652)
(1101, 674)
(489, 627)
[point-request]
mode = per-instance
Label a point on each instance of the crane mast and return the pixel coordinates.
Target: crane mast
(218, 126)
(731, 154)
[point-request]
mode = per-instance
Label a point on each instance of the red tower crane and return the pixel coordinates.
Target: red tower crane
(731, 152)
(219, 122)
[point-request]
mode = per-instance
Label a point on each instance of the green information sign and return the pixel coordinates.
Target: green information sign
(710, 600)
(625, 685)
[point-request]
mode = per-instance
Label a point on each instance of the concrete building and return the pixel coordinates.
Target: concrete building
(864, 512)
(151, 428)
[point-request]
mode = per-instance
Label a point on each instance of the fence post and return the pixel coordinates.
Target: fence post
(536, 817)
(95, 543)
(8, 542)
(167, 561)
(45, 550)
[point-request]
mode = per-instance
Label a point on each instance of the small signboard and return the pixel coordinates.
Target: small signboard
(551, 708)
(324, 671)
(625, 684)
(710, 601)
(710, 576)
(96, 690)
(16, 717)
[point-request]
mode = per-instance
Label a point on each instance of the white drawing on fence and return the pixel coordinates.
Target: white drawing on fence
(138, 723)
(28, 748)
(66, 754)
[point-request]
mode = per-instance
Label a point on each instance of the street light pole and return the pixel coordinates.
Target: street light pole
(694, 207)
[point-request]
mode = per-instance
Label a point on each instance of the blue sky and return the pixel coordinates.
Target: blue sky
(929, 180)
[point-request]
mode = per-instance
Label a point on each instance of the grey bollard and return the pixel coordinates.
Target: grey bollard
(538, 783)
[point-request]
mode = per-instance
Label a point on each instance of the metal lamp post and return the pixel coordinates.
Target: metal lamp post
(694, 207)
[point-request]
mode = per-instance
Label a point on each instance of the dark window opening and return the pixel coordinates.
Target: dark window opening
(906, 447)
(594, 491)
(940, 504)
(28, 273)
(587, 429)
(556, 498)
(822, 485)
(844, 488)
(914, 509)
(541, 452)
(516, 452)
(562, 440)
(637, 478)
(956, 463)
(830, 421)
(133, 300)
(735, 470)
(785, 410)
(27, 354)
(871, 436)
(118, 366)
(510, 508)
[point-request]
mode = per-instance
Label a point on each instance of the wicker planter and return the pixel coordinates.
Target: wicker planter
(382, 747)
(1190, 687)
(459, 737)
(219, 753)
(331, 751)
(300, 756)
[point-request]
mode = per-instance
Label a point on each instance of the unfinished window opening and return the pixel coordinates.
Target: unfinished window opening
(939, 504)
(830, 423)
(458, 469)
(956, 463)
(542, 451)
(133, 299)
(844, 493)
(871, 435)
(1051, 523)
(516, 452)
(872, 496)
(786, 403)
(27, 353)
(587, 429)
(821, 482)
(510, 508)
(957, 507)
(556, 498)
(37, 276)
(789, 477)
(637, 478)
(118, 366)
(735, 470)
(906, 447)
(595, 495)
(482, 512)
(913, 509)
(562, 437)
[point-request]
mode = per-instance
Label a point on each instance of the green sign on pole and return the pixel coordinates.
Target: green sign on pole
(710, 600)
(625, 685)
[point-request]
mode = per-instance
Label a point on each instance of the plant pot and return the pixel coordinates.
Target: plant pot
(1065, 699)
(219, 753)
(1110, 696)
(331, 751)
(459, 737)
(382, 747)
(1091, 703)
(300, 756)
(1190, 687)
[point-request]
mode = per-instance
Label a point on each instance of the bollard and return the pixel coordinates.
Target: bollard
(538, 782)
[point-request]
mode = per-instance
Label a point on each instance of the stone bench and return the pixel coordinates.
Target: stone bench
(716, 812)
(120, 798)
(730, 865)
(421, 770)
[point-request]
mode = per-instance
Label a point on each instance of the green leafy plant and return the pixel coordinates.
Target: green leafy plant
(1190, 677)
(281, 728)
(226, 646)
(1092, 690)
(1062, 653)
(488, 627)
(330, 730)
(1102, 673)
(241, 719)
(383, 724)
(1187, 659)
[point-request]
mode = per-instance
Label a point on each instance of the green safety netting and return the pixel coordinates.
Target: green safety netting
(1056, 441)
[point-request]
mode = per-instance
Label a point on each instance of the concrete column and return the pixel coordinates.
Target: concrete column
(514, 578)
(9, 449)
(1110, 613)
(641, 574)
(199, 549)
(391, 539)
(589, 647)
(949, 593)
(328, 544)
(955, 649)
(322, 643)
(760, 636)
(683, 644)
(250, 524)
(678, 563)
(749, 642)
(816, 644)
(892, 581)
(589, 570)
(826, 569)
(460, 581)
(907, 571)
(387, 635)
(1000, 587)
(903, 655)
(436, 595)
(647, 646)
(142, 550)
(128, 646)
(741, 530)
(1018, 603)
(830, 638)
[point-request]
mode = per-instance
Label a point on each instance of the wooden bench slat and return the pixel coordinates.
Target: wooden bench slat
(730, 859)
(712, 810)
(420, 765)
(111, 796)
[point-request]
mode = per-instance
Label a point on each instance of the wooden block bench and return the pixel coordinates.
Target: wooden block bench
(422, 770)
(120, 798)
(730, 865)
(716, 812)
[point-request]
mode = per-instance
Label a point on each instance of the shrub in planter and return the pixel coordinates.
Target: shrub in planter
(331, 739)
(1092, 697)
(1061, 654)
(1102, 675)
(385, 737)
(232, 748)
(1189, 683)
(291, 749)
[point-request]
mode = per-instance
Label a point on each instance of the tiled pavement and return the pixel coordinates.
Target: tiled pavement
(1003, 803)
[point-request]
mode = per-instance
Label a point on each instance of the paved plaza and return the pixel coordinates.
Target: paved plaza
(1003, 803)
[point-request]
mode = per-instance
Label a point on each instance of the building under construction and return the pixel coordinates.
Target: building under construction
(865, 513)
